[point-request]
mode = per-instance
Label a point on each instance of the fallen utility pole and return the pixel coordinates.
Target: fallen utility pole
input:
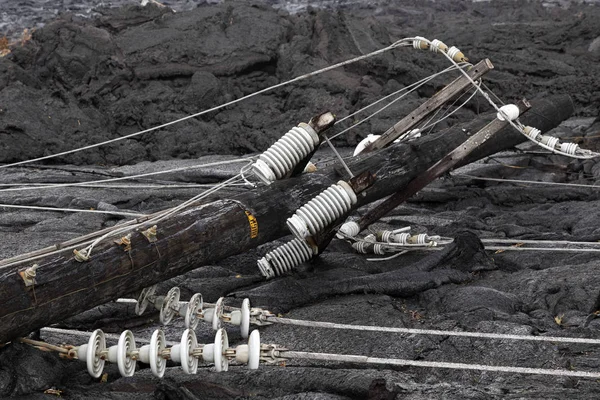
(206, 233)
(449, 161)
(433, 103)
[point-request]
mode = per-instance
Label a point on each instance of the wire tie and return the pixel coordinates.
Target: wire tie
(150, 234)
(124, 241)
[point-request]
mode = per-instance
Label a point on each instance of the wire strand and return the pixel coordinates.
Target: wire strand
(435, 332)
(122, 213)
(435, 364)
(400, 43)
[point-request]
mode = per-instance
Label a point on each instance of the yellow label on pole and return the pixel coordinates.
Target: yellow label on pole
(253, 225)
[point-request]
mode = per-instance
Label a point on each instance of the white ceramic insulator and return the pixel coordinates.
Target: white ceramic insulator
(236, 317)
(348, 229)
(370, 238)
(453, 51)
(283, 156)
(245, 319)
(82, 351)
(549, 141)
(510, 110)
(401, 238)
(378, 249)
(321, 211)
(254, 350)
(362, 247)
(421, 238)
(209, 314)
(189, 343)
(144, 355)
(437, 45)
(569, 148)
(285, 258)
(241, 354)
(420, 43)
(169, 306)
(532, 133)
(96, 344)
(176, 353)
(385, 236)
(208, 353)
(364, 143)
(112, 354)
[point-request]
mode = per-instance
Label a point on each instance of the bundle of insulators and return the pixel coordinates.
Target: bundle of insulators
(195, 310)
(321, 211)
(365, 247)
(420, 43)
(283, 156)
(406, 238)
(285, 258)
(187, 353)
(550, 142)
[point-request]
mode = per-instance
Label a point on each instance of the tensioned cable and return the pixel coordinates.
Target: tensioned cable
(122, 178)
(162, 215)
(127, 226)
(284, 353)
(435, 364)
(436, 332)
(56, 209)
(411, 88)
(400, 43)
(533, 241)
(481, 178)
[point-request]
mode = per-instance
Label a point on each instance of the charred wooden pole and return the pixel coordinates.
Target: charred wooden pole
(206, 233)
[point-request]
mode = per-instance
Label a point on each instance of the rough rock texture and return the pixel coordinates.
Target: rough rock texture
(78, 82)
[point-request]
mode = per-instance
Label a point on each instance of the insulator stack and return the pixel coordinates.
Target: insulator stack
(550, 142)
(283, 156)
(285, 258)
(318, 213)
(348, 229)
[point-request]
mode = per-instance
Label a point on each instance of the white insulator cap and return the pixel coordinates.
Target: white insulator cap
(378, 249)
(370, 238)
(549, 141)
(532, 132)
(510, 110)
(455, 53)
(265, 268)
(348, 229)
(310, 167)
(420, 43)
(569, 148)
(364, 143)
(264, 172)
(437, 45)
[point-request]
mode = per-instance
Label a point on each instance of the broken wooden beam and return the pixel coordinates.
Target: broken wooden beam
(447, 163)
(432, 104)
(202, 234)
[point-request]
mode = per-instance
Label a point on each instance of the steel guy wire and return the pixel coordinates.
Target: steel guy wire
(436, 364)
(433, 332)
(122, 178)
(400, 43)
(481, 178)
(412, 87)
(57, 209)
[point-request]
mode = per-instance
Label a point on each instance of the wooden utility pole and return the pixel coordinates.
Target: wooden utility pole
(206, 233)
